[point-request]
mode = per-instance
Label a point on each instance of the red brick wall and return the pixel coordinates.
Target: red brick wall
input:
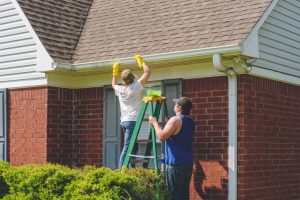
(75, 126)
(210, 108)
(60, 126)
(27, 126)
(88, 126)
(55, 125)
(269, 140)
(65, 126)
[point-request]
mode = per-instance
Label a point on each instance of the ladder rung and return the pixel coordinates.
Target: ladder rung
(140, 156)
(144, 141)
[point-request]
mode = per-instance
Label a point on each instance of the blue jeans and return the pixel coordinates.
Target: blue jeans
(178, 180)
(127, 128)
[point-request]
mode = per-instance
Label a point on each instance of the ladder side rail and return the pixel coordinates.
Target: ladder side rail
(163, 153)
(135, 133)
(154, 142)
(156, 114)
(149, 145)
(148, 150)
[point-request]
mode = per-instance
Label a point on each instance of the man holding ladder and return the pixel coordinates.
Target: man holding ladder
(178, 136)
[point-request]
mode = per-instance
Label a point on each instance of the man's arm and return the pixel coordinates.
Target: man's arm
(172, 127)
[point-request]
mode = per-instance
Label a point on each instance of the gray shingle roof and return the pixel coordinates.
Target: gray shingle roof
(122, 28)
(58, 24)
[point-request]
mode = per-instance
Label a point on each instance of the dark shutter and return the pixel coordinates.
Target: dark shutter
(112, 138)
(3, 125)
(171, 89)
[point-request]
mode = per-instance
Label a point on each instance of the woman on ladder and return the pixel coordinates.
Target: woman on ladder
(130, 99)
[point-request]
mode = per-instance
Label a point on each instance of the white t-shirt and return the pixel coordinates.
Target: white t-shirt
(130, 98)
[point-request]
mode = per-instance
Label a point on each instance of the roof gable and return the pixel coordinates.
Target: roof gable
(58, 24)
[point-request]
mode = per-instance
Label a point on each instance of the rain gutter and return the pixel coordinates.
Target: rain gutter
(154, 57)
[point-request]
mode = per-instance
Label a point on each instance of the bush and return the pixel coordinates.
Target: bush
(87, 186)
(39, 182)
(56, 182)
(3, 185)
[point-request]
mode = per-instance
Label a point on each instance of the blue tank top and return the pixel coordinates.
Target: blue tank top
(178, 148)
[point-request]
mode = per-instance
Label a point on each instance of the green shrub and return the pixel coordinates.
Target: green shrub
(56, 182)
(95, 176)
(117, 184)
(103, 184)
(4, 166)
(18, 196)
(39, 181)
(148, 181)
(28, 178)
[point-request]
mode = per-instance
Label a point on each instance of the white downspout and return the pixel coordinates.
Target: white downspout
(232, 125)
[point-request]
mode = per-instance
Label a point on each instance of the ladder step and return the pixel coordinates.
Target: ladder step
(144, 141)
(140, 156)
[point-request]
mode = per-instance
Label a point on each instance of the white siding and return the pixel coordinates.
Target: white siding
(279, 39)
(18, 50)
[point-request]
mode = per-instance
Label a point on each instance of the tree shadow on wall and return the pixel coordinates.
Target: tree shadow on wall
(209, 192)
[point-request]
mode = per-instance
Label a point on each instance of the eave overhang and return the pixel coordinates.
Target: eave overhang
(156, 61)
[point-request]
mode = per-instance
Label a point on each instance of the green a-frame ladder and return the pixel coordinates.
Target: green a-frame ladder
(151, 142)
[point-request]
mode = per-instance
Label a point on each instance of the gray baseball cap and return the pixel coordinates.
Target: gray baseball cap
(184, 102)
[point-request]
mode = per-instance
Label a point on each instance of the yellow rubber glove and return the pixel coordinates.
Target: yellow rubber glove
(139, 60)
(116, 68)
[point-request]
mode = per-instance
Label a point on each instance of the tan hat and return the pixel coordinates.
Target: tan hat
(127, 76)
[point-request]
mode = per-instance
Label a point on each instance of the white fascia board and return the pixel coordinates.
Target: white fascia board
(279, 76)
(196, 70)
(154, 57)
(44, 60)
(250, 44)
